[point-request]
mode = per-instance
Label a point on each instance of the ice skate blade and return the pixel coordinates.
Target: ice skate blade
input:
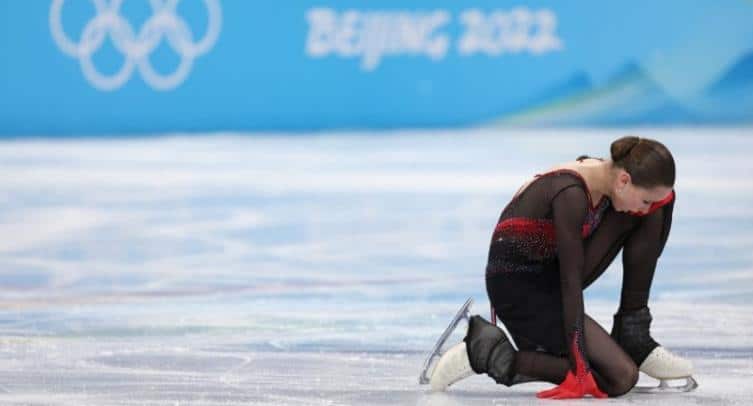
(436, 353)
(665, 387)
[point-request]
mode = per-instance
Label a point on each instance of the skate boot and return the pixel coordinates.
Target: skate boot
(631, 331)
(485, 349)
(491, 351)
(436, 352)
(453, 366)
(665, 366)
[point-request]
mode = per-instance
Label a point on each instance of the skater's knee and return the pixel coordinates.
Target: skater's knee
(626, 379)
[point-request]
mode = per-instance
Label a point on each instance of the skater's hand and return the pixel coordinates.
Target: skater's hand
(570, 388)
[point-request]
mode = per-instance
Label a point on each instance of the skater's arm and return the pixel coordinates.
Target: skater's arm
(569, 209)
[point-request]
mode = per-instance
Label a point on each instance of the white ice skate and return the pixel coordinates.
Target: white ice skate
(665, 366)
(453, 366)
(456, 359)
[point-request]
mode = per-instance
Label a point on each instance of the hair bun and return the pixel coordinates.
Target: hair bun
(621, 148)
(648, 162)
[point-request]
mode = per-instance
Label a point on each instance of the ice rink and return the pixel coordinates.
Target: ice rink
(319, 269)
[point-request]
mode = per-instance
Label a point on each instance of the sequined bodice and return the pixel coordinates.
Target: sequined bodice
(523, 240)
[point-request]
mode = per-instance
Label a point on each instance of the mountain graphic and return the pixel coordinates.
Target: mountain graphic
(641, 100)
(736, 77)
(577, 83)
(628, 97)
(730, 97)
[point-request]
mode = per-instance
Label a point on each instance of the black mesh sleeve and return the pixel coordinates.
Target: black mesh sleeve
(569, 210)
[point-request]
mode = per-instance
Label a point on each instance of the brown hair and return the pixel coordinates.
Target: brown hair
(648, 161)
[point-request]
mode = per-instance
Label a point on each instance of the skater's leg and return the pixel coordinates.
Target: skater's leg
(601, 248)
(642, 239)
(642, 249)
(631, 328)
(640, 255)
(614, 371)
(541, 366)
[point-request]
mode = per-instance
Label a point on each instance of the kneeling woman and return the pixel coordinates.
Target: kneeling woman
(557, 235)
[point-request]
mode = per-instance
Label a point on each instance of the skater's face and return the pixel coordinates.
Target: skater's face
(628, 197)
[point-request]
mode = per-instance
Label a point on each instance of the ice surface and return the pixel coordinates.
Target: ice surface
(319, 269)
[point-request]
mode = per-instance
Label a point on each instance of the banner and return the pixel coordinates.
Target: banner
(109, 67)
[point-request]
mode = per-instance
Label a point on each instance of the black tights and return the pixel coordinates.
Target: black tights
(641, 240)
(614, 371)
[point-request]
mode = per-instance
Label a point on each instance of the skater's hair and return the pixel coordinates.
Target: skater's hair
(649, 162)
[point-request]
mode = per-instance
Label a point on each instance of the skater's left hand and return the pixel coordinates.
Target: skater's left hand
(571, 388)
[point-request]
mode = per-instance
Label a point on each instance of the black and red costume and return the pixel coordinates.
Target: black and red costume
(550, 243)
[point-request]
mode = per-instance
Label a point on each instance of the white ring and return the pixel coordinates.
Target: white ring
(136, 47)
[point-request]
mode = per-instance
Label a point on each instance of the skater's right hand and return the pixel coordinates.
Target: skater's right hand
(573, 388)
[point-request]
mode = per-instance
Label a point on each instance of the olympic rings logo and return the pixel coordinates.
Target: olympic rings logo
(136, 47)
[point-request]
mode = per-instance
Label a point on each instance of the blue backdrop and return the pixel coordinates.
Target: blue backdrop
(111, 67)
